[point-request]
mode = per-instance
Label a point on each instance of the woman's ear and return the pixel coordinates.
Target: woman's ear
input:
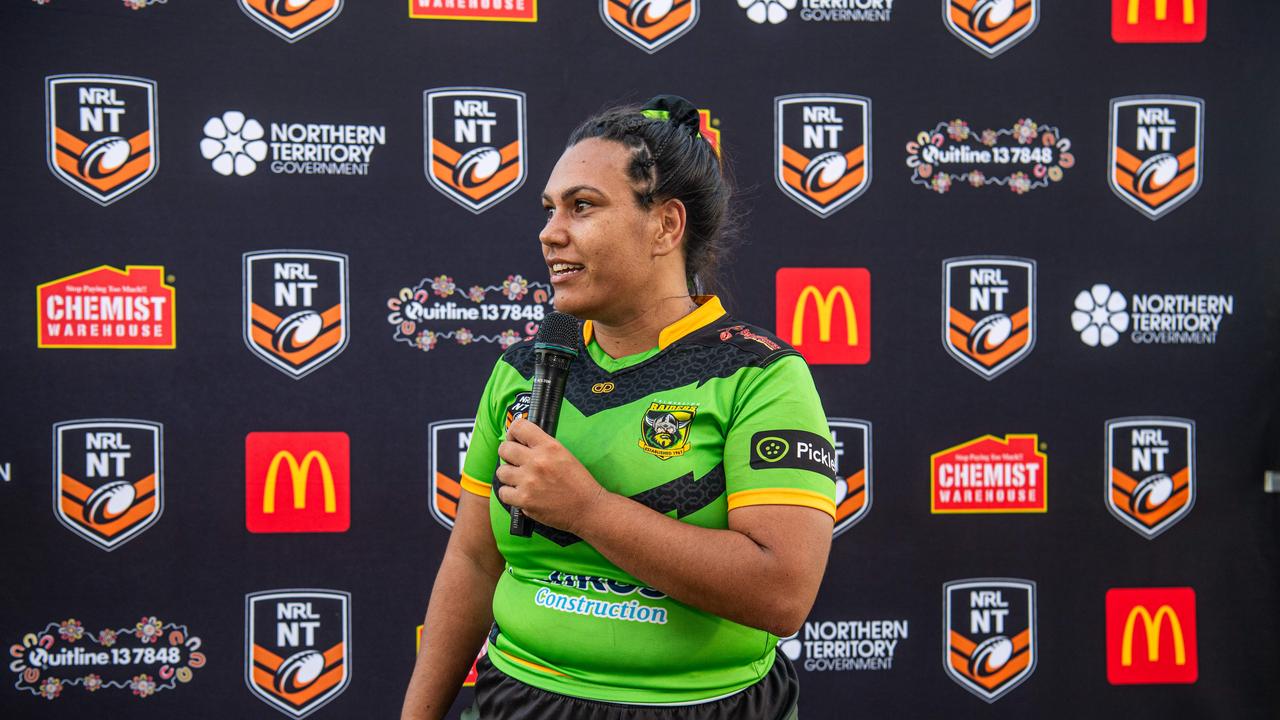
(671, 226)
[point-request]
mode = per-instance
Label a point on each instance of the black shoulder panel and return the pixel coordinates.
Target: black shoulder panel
(754, 340)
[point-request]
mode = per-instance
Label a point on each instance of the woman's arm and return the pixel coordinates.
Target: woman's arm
(461, 600)
(764, 571)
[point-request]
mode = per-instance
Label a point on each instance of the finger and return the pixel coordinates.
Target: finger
(526, 433)
(508, 495)
(514, 453)
(509, 475)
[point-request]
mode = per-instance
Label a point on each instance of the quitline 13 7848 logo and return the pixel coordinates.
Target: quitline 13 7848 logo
(295, 308)
(988, 312)
(475, 144)
(989, 634)
(297, 648)
(1151, 472)
(1156, 151)
(102, 133)
(108, 478)
(822, 149)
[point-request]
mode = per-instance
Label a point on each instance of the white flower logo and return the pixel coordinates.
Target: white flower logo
(235, 145)
(773, 11)
(1100, 316)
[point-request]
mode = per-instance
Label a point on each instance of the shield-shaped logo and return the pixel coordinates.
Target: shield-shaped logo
(108, 478)
(989, 634)
(822, 149)
(475, 144)
(991, 26)
(295, 308)
(988, 311)
(1156, 151)
(102, 133)
(649, 24)
(852, 442)
(519, 408)
(297, 648)
(1151, 472)
(449, 440)
(292, 19)
(664, 432)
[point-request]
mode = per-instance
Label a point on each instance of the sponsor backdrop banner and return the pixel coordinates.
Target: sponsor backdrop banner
(260, 256)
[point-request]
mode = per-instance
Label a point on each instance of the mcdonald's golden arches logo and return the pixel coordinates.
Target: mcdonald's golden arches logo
(1151, 636)
(1159, 21)
(297, 482)
(825, 313)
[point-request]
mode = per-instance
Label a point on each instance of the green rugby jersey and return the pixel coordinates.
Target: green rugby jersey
(720, 415)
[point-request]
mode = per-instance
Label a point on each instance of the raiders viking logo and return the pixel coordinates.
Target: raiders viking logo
(989, 634)
(664, 433)
(1151, 468)
(101, 133)
(649, 24)
(475, 144)
(822, 149)
(297, 648)
(295, 308)
(292, 19)
(991, 26)
(851, 440)
(988, 311)
(450, 440)
(1157, 151)
(108, 479)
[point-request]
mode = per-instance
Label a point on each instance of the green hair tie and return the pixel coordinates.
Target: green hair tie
(656, 114)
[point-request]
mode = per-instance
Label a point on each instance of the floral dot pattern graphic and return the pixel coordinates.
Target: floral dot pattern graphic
(770, 11)
(234, 143)
(1100, 316)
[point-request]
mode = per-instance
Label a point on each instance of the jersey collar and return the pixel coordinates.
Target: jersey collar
(709, 310)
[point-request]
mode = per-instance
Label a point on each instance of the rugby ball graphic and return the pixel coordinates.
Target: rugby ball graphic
(297, 331)
(298, 671)
(643, 13)
(842, 490)
(824, 171)
(476, 166)
(990, 333)
(284, 8)
(1155, 172)
(104, 156)
(990, 655)
(1151, 493)
(109, 502)
(988, 15)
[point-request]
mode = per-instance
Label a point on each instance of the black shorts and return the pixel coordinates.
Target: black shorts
(501, 697)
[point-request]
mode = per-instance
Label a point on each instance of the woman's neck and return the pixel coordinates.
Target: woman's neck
(640, 331)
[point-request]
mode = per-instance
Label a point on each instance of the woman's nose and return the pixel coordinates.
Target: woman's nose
(554, 232)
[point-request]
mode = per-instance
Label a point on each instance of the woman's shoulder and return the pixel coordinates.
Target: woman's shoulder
(742, 342)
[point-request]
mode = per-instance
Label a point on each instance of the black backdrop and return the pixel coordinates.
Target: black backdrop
(371, 65)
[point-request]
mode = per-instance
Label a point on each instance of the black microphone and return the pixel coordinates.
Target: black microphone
(554, 349)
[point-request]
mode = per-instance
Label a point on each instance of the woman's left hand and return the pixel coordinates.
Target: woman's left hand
(544, 479)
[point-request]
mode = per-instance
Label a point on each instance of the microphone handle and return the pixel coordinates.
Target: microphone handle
(550, 372)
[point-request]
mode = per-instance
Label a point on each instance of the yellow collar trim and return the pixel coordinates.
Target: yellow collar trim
(709, 310)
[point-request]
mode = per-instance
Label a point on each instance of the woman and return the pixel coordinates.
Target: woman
(684, 509)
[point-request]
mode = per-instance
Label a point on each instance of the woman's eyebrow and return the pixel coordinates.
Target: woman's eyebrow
(570, 192)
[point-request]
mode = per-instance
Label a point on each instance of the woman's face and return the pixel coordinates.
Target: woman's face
(598, 241)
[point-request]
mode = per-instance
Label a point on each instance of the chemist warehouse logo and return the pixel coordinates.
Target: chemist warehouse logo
(991, 26)
(846, 645)
(106, 308)
(449, 441)
(475, 144)
(496, 10)
(235, 144)
(297, 648)
(1151, 472)
(649, 24)
(989, 634)
(991, 475)
(101, 133)
(1156, 151)
(988, 312)
(295, 308)
(822, 149)
(292, 20)
(108, 478)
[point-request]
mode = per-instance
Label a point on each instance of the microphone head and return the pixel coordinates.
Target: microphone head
(558, 331)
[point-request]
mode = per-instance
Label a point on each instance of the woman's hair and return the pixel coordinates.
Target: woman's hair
(670, 159)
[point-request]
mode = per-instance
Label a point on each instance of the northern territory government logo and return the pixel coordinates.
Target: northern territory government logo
(107, 308)
(292, 20)
(846, 645)
(1156, 158)
(495, 10)
(1025, 156)
(1102, 315)
(833, 11)
(297, 648)
(988, 311)
(989, 634)
(108, 478)
(449, 441)
(141, 657)
(990, 475)
(649, 24)
(439, 309)
(664, 430)
(297, 482)
(101, 133)
(822, 149)
(475, 144)
(235, 144)
(991, 26)
(295, 308)
(1151, 472)
(851, 440)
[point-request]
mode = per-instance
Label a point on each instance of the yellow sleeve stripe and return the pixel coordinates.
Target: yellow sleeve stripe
(474, 486)
(783, 496)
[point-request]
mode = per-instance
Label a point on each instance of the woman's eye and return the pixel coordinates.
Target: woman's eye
(548, 211)
(581, 205)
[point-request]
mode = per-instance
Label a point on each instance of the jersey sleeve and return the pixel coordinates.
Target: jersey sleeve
(778, 449)
(482, 452)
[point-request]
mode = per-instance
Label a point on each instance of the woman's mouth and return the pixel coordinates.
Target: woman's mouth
(564, 270)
